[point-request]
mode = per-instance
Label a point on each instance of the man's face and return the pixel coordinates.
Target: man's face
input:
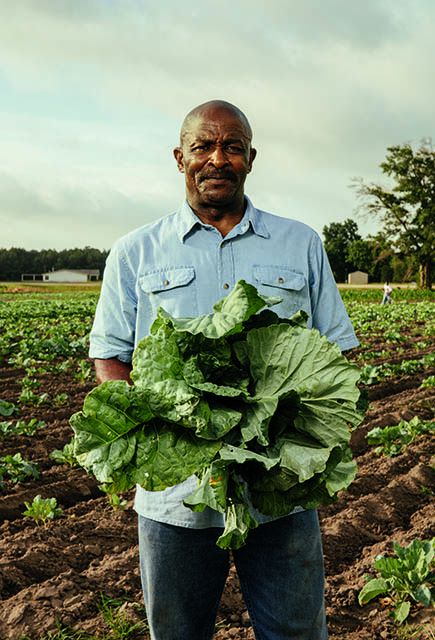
(215, 156)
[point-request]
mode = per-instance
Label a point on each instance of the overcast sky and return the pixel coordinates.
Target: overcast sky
(92, 94)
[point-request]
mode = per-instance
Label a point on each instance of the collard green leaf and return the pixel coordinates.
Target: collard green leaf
(110, 411)
(167, 455)
(256, 418)
(229, 313)
(194, 377)
(172, 399)
(340, 477)
(238, 522)
(105, 460)
(302, 455)
(212, 489)
(286, 358)
(422, 594)
(372, 589)
(156, 358)
(238, 455)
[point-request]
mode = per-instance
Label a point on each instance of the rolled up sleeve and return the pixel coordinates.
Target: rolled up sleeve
(113, 330)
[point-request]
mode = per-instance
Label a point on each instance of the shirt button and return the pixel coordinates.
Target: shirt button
(226, 285)
(166, 282)
(281, 280)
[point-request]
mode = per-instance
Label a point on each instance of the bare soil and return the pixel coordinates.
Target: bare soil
(56, 572)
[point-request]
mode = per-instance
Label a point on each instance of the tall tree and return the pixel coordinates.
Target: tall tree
(337, 238)
(407, 209)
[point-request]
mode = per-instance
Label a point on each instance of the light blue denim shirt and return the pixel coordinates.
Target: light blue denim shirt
(186, 266)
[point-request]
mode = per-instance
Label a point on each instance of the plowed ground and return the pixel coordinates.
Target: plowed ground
(56, 572)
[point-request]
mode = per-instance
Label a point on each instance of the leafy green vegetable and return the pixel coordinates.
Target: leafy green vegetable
(42, 509)
(394, 439)
(258, 407)
(65, 455)
(7, 408)
(16, 469)
(407, 577)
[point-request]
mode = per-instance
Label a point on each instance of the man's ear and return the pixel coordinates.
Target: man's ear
(252, 154)
(178, 155)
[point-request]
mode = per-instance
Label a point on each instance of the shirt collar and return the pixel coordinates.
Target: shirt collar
(187, 220)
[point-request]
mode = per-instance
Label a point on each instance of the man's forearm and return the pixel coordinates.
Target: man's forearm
(112, 369)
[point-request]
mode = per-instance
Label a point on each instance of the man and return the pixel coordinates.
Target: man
(185, 262)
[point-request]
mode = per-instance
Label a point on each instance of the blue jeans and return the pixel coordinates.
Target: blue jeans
(280, 570)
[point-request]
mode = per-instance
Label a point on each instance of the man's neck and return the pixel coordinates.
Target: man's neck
(224, 219)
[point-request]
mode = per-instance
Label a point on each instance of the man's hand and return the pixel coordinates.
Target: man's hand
(112, 369)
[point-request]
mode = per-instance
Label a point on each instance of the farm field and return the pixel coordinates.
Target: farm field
(80, 570)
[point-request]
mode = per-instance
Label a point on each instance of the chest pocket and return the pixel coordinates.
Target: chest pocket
(288, 285)
(173, 288)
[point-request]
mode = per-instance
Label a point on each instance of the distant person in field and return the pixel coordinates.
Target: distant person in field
(186, 262)
(387, 291)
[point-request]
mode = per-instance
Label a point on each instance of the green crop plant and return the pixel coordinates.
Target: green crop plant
(65, 455)
(115, 500)
(20, 428)
(428, 382)
(392, 440)
(60, 399)
(42, 509)
(29, 397)
(84, 371)
(406, 578)
(30, 383)
(7, 408)
(16, 469)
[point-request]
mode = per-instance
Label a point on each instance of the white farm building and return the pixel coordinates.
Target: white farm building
(71, 275)
(64, 275)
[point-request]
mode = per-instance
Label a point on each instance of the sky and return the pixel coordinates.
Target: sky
(93, 92)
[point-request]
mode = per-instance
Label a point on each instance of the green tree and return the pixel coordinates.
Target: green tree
(337, 238)
(360, 254)
(407, 209)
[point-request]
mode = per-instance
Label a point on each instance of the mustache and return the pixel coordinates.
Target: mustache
(228, 175)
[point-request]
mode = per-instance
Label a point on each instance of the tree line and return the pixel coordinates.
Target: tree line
(15, 261)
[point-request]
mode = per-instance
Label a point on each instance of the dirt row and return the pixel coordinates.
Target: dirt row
(56, 572)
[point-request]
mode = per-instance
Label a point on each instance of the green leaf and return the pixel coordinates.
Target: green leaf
(229, 313)
(238, 522)
(238, 455)
(103, 461)
(158, 372)
(256, 418)
(241, 398)
(286, 358)
(302, 455)
(195, 378)
(212, 489)
(167, 455)
(110, 411)
(422, 594)
(340, 477)
(7, 408)
(401, 611)
(372, 589)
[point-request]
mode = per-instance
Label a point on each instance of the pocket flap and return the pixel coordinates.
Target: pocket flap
(163, 279)
(281, 277)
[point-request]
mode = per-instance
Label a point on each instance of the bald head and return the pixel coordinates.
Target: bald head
(210, 109)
